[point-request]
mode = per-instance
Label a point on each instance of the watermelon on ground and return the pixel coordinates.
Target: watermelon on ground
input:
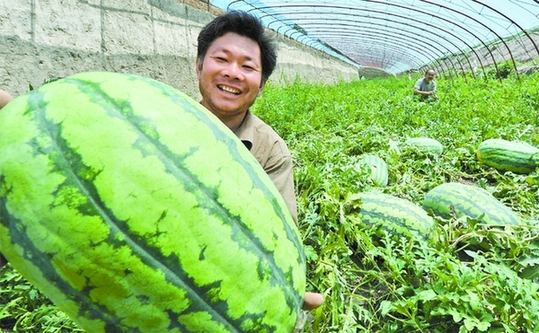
(395, 215)
(378, 167)
(468, 200)
(425, 144)
(505, 155)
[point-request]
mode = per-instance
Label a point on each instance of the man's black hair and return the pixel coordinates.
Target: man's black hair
(244, 24)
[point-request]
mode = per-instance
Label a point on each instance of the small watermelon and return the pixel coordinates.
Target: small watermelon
(504, 155)
(396, 215)
(379, 171)
(425, 144)
(468, 200)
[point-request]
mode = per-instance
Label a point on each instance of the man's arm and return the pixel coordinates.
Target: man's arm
(424, 93)
(417, 88)
(280, 170)
(5, 98)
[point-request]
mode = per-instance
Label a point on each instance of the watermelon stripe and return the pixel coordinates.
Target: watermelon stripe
(378, 167)
(175, 168)
(19, 235)
(180, 171)
(150, 258)
(382, 210)
(378, 218)
(427, 144)
(475, 209)
(500, 159)
(258, 183)
(393, 214)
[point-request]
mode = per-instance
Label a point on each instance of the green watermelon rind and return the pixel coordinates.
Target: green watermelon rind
(425, 144)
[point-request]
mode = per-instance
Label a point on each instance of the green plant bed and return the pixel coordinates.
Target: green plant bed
(447, 284)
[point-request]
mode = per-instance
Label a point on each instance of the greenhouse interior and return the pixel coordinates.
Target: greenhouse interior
(382, 176)
(401, 36)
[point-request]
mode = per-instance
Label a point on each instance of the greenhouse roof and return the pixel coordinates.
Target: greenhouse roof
(404, 35)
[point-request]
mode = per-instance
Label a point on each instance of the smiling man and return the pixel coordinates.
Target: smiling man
(235, 58)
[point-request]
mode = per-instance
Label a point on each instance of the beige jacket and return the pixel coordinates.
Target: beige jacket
(271, 152)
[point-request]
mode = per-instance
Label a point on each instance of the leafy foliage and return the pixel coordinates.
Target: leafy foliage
(465, 277)
(24, 309)
(468, 277)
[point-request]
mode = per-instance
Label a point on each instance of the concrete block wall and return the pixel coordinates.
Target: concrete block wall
(44, 39)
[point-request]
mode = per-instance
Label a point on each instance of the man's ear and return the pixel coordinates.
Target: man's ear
(261, 87)
(198, 65)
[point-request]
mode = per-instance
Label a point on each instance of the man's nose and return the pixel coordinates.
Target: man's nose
(233, 71)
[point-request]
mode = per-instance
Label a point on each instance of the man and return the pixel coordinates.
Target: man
(426, 87)
(5, 98)
(235, 58)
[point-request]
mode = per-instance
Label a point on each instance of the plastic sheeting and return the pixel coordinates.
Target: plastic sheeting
(406, 35)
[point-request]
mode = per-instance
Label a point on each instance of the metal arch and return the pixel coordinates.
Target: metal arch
(513, 22)
(402, 44)
(371, 51)
(399, 45)
(360, 29)
(408, 56)
(310, 39)
(396, 15)
(417, 27)
(480, 23)
(288, 28)
(371, 57)
(465, 15)
(413, 7)
(409, 18)
(307, 37)
(262, 9)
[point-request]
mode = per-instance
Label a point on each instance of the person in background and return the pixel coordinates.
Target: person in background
(235, 58)
(425, 87)
(5, 98)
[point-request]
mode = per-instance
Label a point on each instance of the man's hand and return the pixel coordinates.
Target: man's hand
(312, 301)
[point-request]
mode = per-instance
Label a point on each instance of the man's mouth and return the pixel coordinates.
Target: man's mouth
(229, 89)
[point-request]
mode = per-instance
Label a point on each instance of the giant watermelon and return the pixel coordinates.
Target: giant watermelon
(136, 210)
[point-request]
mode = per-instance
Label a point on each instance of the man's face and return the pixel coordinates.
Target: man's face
(429, 76)
(230, 77)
